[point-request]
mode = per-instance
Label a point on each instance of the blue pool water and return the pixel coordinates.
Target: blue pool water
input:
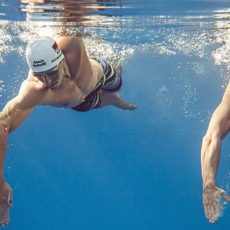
(112, 169)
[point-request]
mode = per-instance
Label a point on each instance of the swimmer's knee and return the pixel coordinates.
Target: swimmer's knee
(105, 99)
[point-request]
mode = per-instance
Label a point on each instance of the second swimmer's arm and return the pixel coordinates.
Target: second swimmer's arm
(210, 155)
(218, 128)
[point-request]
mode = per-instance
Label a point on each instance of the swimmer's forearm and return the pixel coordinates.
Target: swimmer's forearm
(210, 161)
(3, 148)
(209, 175)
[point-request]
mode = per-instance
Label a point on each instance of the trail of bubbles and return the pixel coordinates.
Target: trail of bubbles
(118, 45)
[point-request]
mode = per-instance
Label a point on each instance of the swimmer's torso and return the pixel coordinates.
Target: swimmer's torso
(83, 75)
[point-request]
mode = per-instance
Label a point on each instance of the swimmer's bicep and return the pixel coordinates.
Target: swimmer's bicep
(19, 108)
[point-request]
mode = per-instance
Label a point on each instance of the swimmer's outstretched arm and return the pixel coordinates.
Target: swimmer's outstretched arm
(218, 128)
(10, 118)
(13, 114)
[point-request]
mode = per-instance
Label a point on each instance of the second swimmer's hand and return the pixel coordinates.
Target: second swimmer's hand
(211, 201)
(6, 201)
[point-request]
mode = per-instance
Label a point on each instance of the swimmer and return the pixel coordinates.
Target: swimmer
(218, 128)
(60, 75)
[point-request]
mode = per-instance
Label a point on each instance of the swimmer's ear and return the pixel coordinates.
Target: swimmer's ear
(10, 198)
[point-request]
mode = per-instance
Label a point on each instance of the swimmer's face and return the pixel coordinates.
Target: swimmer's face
(53, 77)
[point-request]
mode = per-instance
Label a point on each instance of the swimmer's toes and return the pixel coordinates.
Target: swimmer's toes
(131, 106)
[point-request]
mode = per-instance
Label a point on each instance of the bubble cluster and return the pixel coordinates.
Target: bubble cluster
(117, 45)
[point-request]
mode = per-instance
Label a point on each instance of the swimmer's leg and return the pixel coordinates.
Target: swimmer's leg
(116, 100)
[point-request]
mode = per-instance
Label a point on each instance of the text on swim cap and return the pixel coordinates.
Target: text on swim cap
(56, 58)
(39, 63)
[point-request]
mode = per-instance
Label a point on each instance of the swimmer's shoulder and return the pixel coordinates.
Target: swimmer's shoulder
(33, 90)
(31, 83)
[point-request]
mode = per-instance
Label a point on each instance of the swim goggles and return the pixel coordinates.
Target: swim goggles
(48, 72)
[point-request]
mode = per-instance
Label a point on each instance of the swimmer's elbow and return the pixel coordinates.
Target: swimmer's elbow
(213, 137)
(4, 124)
(206, 139)
(9, 119)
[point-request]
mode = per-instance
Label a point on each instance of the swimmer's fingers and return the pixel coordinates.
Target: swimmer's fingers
(223, 194)
(226, 196)
(4, 215)
(10, 198)
(211, 201)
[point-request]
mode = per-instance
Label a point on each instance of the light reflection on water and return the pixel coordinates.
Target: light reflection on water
(117, 13)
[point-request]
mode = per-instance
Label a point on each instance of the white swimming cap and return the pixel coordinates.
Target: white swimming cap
(43, 54)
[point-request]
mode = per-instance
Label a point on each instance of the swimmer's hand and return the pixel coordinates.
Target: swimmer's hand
(6, 201)
(211, 201)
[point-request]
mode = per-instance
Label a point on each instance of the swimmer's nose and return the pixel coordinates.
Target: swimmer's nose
(54, 85)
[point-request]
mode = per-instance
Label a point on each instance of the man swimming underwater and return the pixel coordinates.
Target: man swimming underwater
(61, 75)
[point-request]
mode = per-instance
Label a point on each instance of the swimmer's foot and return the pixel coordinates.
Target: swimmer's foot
(127, 105)
(116, 100)
(121, 103)
(6, 201)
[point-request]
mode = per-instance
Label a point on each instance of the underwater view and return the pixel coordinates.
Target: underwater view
(136, 163)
